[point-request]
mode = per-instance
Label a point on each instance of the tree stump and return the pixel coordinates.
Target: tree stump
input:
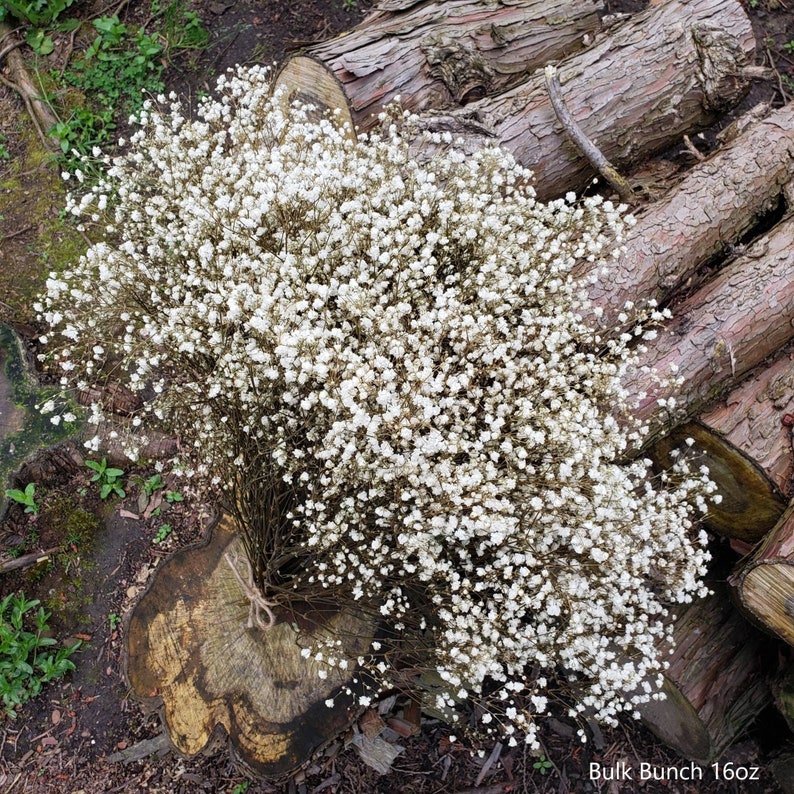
(190, 650)
(667, 71)
(437, 54)
(714, 686)
(722, 331)
(765, 581)
(716, 203)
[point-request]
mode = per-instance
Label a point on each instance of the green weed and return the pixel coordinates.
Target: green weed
(26, 497)
(34, 12)
(162, 533)
(108, 478)
(27, 657)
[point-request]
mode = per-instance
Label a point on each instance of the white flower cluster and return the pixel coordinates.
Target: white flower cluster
(401, 341)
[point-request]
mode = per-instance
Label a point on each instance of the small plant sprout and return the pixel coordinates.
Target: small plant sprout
(108, 478)
(154, 483)
(162, 533)
(26, 497)
(28, 658)
(173, 496)
(114, 620)
(543, 765)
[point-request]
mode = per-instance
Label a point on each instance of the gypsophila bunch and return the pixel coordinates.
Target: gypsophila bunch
(382, 361)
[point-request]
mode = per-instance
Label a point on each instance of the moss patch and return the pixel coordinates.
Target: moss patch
(31, 430)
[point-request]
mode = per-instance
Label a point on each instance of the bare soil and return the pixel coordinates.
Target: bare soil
(74, 737)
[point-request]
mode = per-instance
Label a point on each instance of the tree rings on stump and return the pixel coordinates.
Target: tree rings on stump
(190, 649)
(751, 503)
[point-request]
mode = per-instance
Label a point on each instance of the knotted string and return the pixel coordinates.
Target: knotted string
(256, 601)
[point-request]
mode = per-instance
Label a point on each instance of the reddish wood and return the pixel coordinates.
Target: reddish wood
(722, 331)
(746, 444)
(754, 418)
(714, 686)
(765, 581)
(751, 504)
(669, 70)
(437, 54)
(717, 202)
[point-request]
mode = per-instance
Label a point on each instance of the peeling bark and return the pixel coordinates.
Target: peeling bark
(717, 202)
(714, 686)
(437, 54)
(23, 84)
(668, 71)
(722, 331)
(751, 502)
(746, 444)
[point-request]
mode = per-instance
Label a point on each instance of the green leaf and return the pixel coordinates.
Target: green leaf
(39, 42)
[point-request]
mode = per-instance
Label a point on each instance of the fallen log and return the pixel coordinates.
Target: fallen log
(721, 332)
(26, 560)
(716, 204)
(764, 583)
(19, 80)
(751, 503)
(746, 443)
(437, 54)
(191, 651)
(667, 71)
(715, 686)
(757, 417)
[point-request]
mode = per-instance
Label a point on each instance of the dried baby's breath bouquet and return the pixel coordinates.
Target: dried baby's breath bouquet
(381, 360)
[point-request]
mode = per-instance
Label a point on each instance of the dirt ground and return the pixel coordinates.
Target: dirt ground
(82, 734)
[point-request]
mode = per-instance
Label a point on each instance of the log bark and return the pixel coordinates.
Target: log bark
(722, 331)
(751, 503)
(714, 686)
(756, 419)
(746, 443)
(21, 81)
(26, 560)
(437, 54)
(190, 650)
(716, 204)
(765, 581)
(670, 70)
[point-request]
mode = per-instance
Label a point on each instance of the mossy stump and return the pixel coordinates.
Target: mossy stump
(191, 652)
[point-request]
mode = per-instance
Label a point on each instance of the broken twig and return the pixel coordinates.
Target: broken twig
(583, 143)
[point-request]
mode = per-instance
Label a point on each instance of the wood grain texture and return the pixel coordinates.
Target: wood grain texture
(751, 503)
(751, 419)
(190, 650)
(716, 203)
(670, 70)
(439, 54)
(722, 331)
(715, 684)
(765, 580)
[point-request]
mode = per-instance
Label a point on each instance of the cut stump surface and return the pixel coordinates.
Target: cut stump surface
(190, 648)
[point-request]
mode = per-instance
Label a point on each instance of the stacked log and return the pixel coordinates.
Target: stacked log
(765, 581)
(437, 54)
(745, 441)
(713, 688)
(668, 71)
(715, 205)
(722, 331)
